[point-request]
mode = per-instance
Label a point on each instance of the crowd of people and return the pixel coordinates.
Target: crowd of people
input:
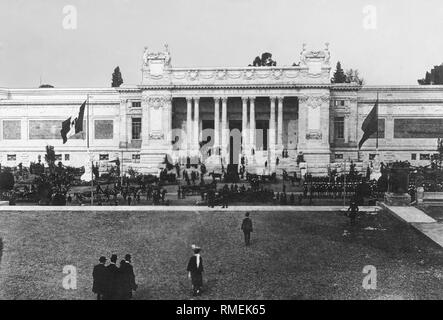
(120, 194)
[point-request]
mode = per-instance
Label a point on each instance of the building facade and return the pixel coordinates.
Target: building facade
(221, 115)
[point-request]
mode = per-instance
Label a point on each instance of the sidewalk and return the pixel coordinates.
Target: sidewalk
(182, 208)
(418, 220)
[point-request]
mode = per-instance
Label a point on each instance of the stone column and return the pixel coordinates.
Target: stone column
(167, 122)
(302, 122)
(145, 122)
(252, 122)
(224, 126)
(280, 123)
(244, 124)
(216, 123)
(123, 123)
(271, 149)
(189, 123)
(196, 124)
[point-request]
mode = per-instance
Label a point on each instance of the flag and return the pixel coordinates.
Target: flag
(370, 125)
(73, 125)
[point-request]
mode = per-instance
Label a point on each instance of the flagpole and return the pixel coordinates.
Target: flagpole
(376, 143)
(89, 153)
(344, 185)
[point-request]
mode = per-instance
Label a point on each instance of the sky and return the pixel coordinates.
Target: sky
(396, 46)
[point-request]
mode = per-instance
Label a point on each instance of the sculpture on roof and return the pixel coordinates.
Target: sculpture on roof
(264, 61)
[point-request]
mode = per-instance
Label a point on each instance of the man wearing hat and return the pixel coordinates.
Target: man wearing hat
(195, 270)
(128, 278)
(99, 278)
(246, 226)
(112, 279)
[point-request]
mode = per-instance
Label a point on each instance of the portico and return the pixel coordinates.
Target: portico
(253, 112)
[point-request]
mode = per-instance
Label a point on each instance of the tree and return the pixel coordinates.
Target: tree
(117, 79)
(96, 171)
(440, 151)
(339, 74)
(50, 157)
(353, 76)
(6, 180)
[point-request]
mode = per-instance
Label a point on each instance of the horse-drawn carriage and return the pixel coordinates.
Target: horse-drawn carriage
(216, 175)
(192, 190)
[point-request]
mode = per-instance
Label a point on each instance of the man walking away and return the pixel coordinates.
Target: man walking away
(128, 278)
(112, 279)
(224, 196)
(246, 226)
(195, 271)
(99, 278)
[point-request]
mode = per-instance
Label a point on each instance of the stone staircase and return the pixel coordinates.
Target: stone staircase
(213, 163)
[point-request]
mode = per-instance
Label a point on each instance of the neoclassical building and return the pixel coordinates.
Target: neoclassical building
(223, 114)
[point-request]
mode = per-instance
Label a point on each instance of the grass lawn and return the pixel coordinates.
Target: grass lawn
(299, 255)
(435, 212)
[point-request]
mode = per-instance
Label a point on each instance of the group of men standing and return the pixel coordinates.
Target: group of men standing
(111, 282)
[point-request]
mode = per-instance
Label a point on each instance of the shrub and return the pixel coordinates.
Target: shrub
(6, 180)
(59, 200)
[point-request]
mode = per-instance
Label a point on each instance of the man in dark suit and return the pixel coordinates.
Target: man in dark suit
(195, 271)
(99, 278)
(127, 279)
(112, 280)
(246, 226)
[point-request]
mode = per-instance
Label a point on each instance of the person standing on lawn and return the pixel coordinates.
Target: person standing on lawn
(195, 271)
(127, 277)
(352, 211)
(246, 226)
(112, 280)
(99, 278)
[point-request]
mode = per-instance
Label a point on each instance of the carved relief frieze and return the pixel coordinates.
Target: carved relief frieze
(157, 102)
(249, 74)
(315, 135)
(156, 136)
(193, 75)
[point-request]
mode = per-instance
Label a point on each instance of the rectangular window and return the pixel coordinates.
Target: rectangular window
(104, 157)
(136, 128)
(67, 157)
(339, 156)
(339, 127)
(12, 129)
(136, 104)
(12, 157)
(413, 156)
(425, 156)
(371, 156)
(104, 129)
(58, 157)
(136, 157)
(381, 130)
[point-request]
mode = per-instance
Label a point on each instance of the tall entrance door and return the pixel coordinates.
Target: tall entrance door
(261, 135)
(235, 141)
